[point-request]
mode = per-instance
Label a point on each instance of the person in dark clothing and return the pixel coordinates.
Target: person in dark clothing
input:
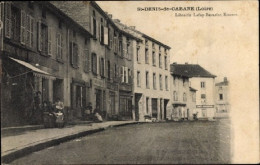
(37, 108)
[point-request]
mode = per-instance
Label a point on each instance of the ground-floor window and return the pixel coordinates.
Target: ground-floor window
(125, 106)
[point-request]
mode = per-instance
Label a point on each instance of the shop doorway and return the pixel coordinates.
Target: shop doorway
(154, 108)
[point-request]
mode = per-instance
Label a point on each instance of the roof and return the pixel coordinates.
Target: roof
(71, 9)
(223, 83)
(156, 41)
(190, 70)
(59, 11)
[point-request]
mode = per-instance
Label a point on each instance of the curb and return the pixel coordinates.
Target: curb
(18, 129)
(8, 158)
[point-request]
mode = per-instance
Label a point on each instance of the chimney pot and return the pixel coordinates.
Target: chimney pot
(110, 16)
(225, 79)
(117, 20)
(132, 27)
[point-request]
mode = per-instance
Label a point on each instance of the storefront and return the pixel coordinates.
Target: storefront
(21, 81)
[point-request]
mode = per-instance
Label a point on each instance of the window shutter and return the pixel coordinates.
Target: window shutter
(7, 20)
(76, 55)
(86, 60)
(31, 31)
(71, 53)
(126, 71)
(22, 29)
(98, 30)
(122, 73)
(61, 42)
(49, 41)
(106, 36)
(111, 39)
(92, 25)
(39, 36)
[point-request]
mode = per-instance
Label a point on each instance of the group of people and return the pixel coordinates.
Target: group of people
(46, 106)
(39, 109)
(90, 114)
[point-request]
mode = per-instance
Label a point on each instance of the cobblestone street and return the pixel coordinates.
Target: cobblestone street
(199, 142)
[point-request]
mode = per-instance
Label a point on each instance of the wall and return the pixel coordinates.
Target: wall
(209, 90)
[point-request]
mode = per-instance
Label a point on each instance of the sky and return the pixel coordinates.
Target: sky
(211, 42)
(223, 45)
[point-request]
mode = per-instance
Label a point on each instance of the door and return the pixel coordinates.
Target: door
(204, 113)
(154, 108)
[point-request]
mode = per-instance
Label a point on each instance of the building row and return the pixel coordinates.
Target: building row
(89, 57)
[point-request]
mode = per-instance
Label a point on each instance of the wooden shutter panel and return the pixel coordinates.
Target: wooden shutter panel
(31, 31)
(76, 55)
(22, 28)
(49, 41)
(126, 71)
(122, 73)
(92, 25)
(106, 36)
(71, 53)
(7, 19)
(86, 60)
(97, 30)
(39, 36)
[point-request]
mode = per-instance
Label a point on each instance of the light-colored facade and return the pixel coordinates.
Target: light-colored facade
(152, 79)
(205, 96)
(180, 96)
(222, 99)
(201, 80)
(191, 103)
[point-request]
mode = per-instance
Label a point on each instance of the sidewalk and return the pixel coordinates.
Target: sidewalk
(23, 143)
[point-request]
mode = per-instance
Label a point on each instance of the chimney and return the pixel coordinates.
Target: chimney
(110, 16)
(225, 79)
(117, 20)
(132, 27)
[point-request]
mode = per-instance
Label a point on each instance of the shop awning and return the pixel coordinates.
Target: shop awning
(36, 71)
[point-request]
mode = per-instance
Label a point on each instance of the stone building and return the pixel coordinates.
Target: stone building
(111, 52)
(222, 98)
(180, 93)
(43, 50)
(151, 77)
(204, 82)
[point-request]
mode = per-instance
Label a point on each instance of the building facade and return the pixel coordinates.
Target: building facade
(180, 94)
(222, 98)
(204, 82)
(151, 75)
(80, 58)
(37, 56)
(111, 52)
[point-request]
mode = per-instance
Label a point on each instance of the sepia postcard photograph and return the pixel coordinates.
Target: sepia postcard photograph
(129, 82)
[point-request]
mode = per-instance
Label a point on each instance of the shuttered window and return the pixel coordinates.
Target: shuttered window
(108, 70)
(49, 41)
(23, 27)
(59, 46)
(94, 63)
(74, 54)
(7, 13)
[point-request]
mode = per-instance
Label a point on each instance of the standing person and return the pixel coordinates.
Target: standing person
(37, 107)
(87, 112)
(59, 105)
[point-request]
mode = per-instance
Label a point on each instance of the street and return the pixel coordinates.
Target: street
(197, 142)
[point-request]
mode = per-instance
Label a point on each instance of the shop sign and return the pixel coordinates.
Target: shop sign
(204, 106)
